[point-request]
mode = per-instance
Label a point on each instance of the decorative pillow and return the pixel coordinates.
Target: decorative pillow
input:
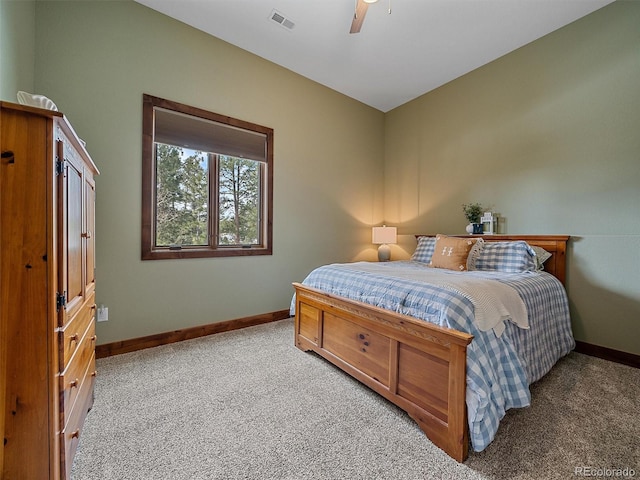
(508, 257)
(541, 256)
(451, 252)
(424, 250)
(475, 252)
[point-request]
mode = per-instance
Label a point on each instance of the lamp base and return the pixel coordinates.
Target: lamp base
(384, 253)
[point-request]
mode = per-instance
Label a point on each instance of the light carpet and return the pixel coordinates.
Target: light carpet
(247, 404)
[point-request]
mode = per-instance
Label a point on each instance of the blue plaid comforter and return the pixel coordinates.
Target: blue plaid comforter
(499, 369)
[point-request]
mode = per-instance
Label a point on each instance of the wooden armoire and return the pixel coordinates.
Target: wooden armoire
(47, 292)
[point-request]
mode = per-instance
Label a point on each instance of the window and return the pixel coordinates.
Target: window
(207, 183)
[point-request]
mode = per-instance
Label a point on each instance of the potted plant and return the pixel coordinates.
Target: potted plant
(473, 213)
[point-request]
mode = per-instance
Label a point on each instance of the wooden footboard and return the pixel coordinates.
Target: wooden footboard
(418, 366)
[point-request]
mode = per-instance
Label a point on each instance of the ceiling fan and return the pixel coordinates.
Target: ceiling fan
(359, 14)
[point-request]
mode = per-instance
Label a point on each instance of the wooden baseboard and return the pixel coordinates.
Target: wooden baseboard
(610, 354)
(134, 344)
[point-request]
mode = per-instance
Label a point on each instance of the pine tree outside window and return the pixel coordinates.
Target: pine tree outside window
(207, 183)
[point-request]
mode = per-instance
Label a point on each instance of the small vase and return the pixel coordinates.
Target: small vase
(469, 228)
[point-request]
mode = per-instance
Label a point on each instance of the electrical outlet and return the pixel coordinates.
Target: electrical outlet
(103, 314)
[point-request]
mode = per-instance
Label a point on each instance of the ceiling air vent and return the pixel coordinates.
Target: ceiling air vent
(282, 20)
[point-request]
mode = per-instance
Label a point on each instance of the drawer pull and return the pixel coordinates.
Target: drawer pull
(74, 337)
(76, 434)
(94, 373)
(94, 338)
(74, 383)
(86, 234)
(93, 307)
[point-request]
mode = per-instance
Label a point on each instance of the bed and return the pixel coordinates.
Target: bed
(456, 383)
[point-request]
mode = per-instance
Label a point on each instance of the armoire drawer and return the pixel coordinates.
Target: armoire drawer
(73, 332)
(71, 378)
(75, 415)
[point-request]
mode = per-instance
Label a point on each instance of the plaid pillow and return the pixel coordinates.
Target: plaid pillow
(424, 250)
(508, 257)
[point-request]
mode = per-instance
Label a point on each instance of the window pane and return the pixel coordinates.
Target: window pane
(239, 187)
(182, 196)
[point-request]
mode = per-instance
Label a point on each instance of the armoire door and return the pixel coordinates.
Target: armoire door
(71, 238)
(89, 233)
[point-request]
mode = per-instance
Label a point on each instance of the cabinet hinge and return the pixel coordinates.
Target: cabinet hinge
(59, 166)
(61, 300)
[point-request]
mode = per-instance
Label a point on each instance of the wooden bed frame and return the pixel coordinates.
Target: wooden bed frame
(418, 366)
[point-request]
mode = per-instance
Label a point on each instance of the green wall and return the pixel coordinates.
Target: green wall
(96, 59)
(17, 47)
(548, 136)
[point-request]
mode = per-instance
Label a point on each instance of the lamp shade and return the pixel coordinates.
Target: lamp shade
(384, 234)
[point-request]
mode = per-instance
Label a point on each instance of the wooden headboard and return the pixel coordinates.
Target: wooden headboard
(556, 245)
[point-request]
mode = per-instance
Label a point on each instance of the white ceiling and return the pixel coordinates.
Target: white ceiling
(396, 57)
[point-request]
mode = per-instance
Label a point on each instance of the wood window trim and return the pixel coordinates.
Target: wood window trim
(149, 251)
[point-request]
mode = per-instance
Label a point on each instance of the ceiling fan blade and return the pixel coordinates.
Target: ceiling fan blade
(358, 16)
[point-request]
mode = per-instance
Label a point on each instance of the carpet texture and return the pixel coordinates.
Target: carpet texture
(247, 404)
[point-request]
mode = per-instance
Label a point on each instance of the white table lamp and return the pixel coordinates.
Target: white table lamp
(383, 236)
